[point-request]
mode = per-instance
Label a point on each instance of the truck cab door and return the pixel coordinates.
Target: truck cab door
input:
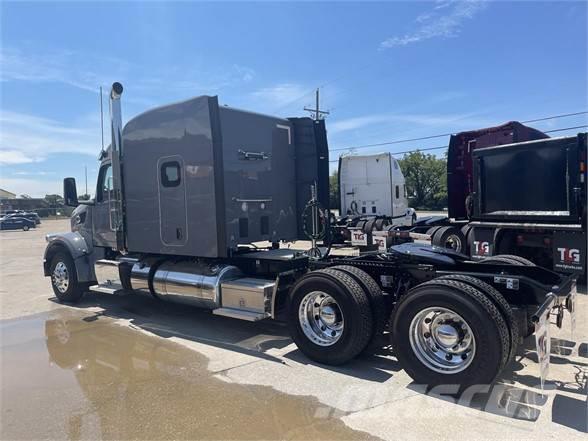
(104, 233)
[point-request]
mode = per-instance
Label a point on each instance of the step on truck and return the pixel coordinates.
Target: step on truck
(188, 193)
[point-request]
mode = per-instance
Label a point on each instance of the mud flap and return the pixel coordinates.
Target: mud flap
(572, 309)
(543, 344)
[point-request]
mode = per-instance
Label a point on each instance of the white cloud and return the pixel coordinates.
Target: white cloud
(31, 187)
(444, 20)
(28, 138)
(89, 72)
(388, 119)
(280, 95)
(82, 71)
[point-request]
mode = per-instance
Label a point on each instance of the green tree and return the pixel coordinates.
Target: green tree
(54, 200)
(426, 180)
(334, 191)
(84, 197)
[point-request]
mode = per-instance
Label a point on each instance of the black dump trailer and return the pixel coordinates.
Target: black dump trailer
(184, 193)
(529, 199)
(512, 190)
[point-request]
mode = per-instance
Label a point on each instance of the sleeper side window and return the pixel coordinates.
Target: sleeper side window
(170, 174)
(105, 187)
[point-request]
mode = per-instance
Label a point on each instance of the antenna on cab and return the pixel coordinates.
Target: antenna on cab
(101, 119)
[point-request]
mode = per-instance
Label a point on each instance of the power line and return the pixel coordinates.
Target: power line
(567, 128)
(400, 141)
(445, 146)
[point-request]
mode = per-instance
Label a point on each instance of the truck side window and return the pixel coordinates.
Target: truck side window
(397, 192)
(104, 183)
(170, 174)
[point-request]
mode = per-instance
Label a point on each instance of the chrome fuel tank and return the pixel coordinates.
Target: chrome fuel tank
(192, 283)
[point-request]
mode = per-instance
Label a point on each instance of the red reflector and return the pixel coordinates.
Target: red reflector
(520, 239)
(547, 241)
(582, 167)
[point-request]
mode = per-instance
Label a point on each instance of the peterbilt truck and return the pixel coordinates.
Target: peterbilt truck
(189, 193)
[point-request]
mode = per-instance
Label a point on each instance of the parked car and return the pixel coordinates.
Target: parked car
(16, 223)
(27, 215)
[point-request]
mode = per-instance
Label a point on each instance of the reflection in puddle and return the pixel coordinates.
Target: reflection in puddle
(65, 377)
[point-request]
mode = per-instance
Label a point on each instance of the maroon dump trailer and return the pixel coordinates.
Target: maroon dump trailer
(460, 181)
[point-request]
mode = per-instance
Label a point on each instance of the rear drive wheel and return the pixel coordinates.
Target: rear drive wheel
(500, 303)
(64, 279)
(448, 332)
(377, 304)
(330, 318)
(451, 238)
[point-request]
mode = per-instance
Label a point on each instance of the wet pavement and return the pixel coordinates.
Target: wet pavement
(67, 374)
(129, 367)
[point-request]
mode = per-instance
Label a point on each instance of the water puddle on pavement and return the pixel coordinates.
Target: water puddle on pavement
(68, 375)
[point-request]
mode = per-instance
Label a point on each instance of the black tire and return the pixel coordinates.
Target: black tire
(377, 304)
(25, 228)
(500, 259)
(445, 234)
(521, 260)
(466, 230)
(380, 224)
(431, 232)
(354, 304)
(487, 324)
(75, 290)
(500, 303)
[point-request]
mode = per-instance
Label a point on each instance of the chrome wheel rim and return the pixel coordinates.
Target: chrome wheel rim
(60, 277)
(453, 243)
(442, 340)
(321, 318)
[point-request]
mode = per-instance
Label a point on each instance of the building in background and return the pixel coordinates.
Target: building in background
(6, 194)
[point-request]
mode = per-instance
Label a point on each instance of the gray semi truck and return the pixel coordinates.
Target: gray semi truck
(187, 194)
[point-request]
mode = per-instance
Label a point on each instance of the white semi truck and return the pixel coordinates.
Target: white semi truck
(373, 185)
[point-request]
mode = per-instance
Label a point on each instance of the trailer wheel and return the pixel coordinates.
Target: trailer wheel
(466, 230)
(377, 304)
(449, 237)
(521, 261)
(508, 259)
(500, 303)
(64, 279)
(448, 332)
(330, 318)
(431, 231)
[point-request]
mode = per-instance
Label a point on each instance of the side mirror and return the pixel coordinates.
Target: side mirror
(70, 192)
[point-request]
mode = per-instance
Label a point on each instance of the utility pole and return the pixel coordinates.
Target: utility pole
(86, 173)
(317, 113)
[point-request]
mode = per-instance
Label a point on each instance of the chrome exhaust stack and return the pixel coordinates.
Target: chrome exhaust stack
(116, 153)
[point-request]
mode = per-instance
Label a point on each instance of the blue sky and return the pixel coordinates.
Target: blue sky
(387, 70)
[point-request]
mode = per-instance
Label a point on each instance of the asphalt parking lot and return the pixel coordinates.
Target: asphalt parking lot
(131, 367)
